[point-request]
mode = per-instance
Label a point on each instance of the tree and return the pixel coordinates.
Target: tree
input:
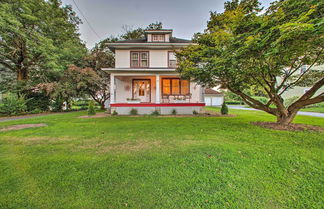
(38, 36)
(101, 57)
(7, 79)
(243, 48)
(129, 33)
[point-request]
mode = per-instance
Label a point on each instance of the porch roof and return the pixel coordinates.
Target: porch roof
(157, 104)
(134, 70)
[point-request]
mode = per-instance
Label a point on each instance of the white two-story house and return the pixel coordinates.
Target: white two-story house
(145, 77)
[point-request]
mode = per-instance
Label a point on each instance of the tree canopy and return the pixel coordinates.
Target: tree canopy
(38, 36)
(244, 47)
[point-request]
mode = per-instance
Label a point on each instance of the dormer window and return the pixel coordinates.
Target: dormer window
(158, 37)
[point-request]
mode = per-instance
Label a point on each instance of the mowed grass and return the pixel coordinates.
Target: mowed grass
(314, 109)
(160, 162)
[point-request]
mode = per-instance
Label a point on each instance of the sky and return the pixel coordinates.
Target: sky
(107, 17)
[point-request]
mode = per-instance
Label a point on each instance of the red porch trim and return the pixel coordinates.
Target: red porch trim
(157, 105)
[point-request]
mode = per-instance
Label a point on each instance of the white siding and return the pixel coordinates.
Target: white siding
(158, 58)
(122, 58)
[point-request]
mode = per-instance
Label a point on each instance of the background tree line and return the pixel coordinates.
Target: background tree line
(43, 62)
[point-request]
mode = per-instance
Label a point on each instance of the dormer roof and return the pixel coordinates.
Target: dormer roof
(160, 31)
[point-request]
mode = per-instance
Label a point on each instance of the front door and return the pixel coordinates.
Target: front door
(142, 90)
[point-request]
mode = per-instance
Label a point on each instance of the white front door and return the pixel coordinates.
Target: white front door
(142, 90)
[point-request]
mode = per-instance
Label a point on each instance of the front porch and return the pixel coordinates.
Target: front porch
(154, 92)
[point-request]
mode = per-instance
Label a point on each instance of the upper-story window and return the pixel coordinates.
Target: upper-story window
(158, 37)
(172, 60)
(139, 59)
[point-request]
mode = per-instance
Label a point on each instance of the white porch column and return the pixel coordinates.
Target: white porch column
(201, 94)
(112, 88)
(157, 89)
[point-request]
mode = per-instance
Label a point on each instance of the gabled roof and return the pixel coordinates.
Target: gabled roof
(174, 43)
(143, 40)
(212, 91)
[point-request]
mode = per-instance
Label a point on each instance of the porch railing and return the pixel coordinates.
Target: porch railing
(176, 98)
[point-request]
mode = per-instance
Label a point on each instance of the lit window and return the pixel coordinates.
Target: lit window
(166, 83)
(158, 38)
(184, 87)
(172, 60)
(175, 86)
(139, 59)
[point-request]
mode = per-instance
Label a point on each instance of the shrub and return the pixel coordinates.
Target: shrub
(91, 108)
(56, 105)
(263, 100)
(114, 113)
(234, 102)
(35, 111)
(174, 112)
(37, 101)
(155, 113)
(224, 109)
(195, 112)
(133, 112)
(13, 105)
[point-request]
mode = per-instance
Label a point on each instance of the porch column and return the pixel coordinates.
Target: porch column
(112, 88)
(201, 94)
(157, 91)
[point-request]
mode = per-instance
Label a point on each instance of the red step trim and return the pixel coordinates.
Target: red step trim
(157, 105)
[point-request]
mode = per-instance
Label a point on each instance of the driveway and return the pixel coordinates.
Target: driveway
(314, 114)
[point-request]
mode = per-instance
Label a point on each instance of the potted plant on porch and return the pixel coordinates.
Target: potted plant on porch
(133, 101)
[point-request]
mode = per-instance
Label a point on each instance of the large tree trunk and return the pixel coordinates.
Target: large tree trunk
(22, 74)
(102, 106)
(286, 119)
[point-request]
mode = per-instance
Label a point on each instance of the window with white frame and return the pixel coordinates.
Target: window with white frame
(139, 59)
(172, 60)
(158, 37)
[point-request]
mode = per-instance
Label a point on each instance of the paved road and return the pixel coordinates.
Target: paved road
(315, 114)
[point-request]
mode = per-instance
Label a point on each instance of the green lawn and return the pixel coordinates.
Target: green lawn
(314, 109)
(158, 162)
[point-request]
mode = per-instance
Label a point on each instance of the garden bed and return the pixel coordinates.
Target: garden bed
(289, 127)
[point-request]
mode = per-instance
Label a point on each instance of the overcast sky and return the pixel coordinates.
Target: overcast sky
(107, 17)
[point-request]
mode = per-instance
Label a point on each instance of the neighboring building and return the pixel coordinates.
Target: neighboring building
(213, 97)
(299, 90)
(145, 77)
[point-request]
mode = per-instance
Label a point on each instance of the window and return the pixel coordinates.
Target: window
(175, 86)
(139, 59)
(158, 38)
(185, 87)
(172, 60)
